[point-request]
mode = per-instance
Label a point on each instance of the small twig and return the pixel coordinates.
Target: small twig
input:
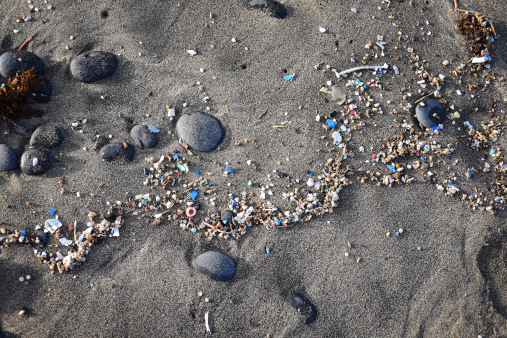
(260, 117)
(422, 98)
(25, 43)
(467, 12)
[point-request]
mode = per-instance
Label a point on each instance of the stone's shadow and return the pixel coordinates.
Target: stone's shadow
(492, 260)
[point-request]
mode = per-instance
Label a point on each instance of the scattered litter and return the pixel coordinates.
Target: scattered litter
(385, 66)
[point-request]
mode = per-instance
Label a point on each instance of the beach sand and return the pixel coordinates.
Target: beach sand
(444, 276)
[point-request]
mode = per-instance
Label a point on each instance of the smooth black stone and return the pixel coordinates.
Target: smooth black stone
(227, 217)
(46, 136)
(303, 306)
(200, 131)
(217, 265)
(274, 8)
(93, 66)
(43, 157)
(43, 237)
(143, 136)
(430, 113)
(10, 63)
(43, 91)
(113, 151)
(8, 158)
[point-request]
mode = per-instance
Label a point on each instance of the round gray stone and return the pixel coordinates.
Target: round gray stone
(217, 265)
(35, 161)
(227, 217)
(143, 136)
(13, 61)
(93, 66)
(273, 8)
(200, 131)
(114, 151)
(303, 306)
(8, 158)
(46, 136)
(430, 113)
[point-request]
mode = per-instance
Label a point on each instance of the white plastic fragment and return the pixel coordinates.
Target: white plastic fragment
(65, 241)
(21, 279)
(206, 321)
(52, 225)
(191, 52)
(481, 59)
(322, 29)
(337, 137)
(351, 70)
(396, 70)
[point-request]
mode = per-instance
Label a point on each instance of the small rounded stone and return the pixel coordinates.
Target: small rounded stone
(35, 161)
(93, 66)
(274, 8)
(46, 136)
(8, 158)
(143, 136)
(303, 306)
(217, 265)
(430, 113)
(113, 151)
(227, 217)
(13, 61)
(43, 237)
(200, 131)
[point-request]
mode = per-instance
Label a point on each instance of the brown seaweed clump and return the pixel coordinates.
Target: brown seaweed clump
(14, 96)
(478, 30)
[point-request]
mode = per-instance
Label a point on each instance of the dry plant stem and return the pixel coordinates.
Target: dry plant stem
(422, 98)
(25, 43)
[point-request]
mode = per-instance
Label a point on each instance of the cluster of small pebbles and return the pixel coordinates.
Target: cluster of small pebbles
(79, 247)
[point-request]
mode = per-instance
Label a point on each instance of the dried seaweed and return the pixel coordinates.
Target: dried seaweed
(478, 30)
(14, 96)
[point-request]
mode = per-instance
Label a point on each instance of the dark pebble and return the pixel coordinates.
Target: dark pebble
(10, 63)
(430, 113)
(200, 131)
(43, 237)
(42, 91)
(274, 8)
(93, 66)
(303, 306)
(46, 136)
(143, 137)
(35, 161)
(8, 158)
(227, 217)
(217, 265)
(113, 151)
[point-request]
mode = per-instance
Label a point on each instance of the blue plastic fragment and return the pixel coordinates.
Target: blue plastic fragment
(193, 194)
(159, 177)
(289, 77)
(198, 174)
(427, 147)
(23, 232)
(229, 170)
(268, 250)
(201, 87)
(194, 230)
(234, 203)
(176, 157)
(397, 234)
(392, 168)
(201, 70)
(343, 128)
(154, 129)
(331, 123)
(52, 211)
(310, 174)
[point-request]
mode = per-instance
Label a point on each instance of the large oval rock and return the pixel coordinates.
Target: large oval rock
(274, 8)
(430, 113)
(303, 306)
(143, 136)
(35, 161)
(46, 136)
(113, 151)
(217, 265)
(8, 158)
(93, 66)
(200, 131)
(13, 61)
